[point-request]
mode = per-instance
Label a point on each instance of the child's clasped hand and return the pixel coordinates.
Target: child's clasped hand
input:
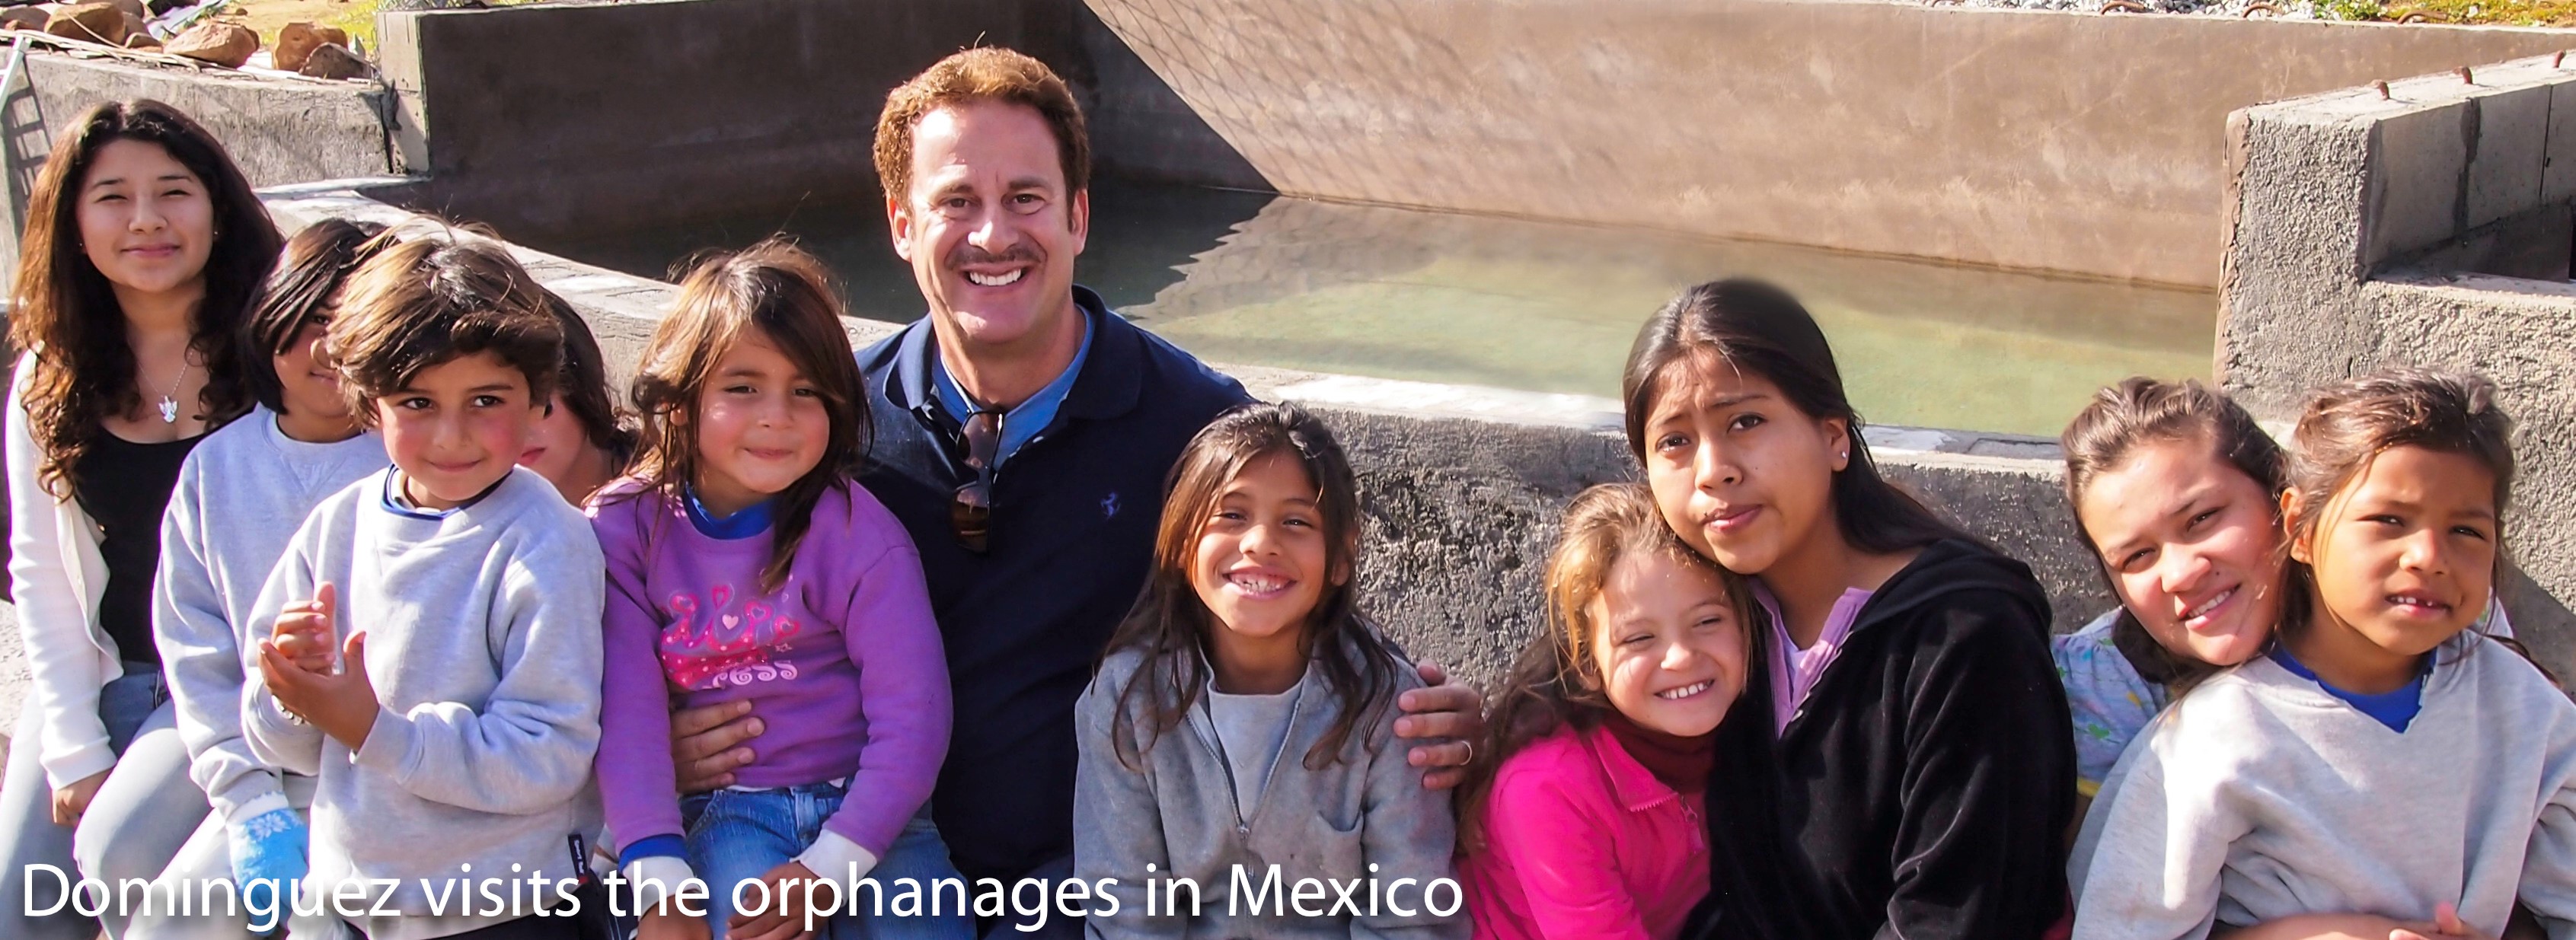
(295, 664)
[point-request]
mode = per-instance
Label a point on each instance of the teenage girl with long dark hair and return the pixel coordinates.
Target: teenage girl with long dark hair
(143, 247)
(1901, 764)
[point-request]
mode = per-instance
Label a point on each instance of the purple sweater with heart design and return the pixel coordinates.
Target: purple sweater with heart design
(842, 663)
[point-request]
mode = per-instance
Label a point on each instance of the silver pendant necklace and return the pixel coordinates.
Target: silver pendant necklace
(169, 400)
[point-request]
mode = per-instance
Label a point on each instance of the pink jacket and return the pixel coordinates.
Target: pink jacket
(1580, 841)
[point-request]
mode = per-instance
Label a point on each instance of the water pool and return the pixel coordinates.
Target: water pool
(1397, 293)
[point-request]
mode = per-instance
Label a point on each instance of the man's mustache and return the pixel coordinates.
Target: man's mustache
(965, 255)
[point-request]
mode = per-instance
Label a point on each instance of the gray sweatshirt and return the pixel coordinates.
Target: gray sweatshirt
(241, 496)
(2259, 796)
(1181, 815)
(483, 644)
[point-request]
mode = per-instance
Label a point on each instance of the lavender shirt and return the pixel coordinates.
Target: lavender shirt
(842, 663)
(1794, 670)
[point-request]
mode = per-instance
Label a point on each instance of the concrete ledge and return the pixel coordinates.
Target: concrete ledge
(278, 128)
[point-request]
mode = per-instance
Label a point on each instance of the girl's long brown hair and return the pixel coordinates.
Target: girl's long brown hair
(1171, 626)
(1556, 681)
(2136, 413)
(85, 371)
(779, 291)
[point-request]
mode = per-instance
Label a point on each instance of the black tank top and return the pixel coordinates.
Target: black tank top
(125, 487)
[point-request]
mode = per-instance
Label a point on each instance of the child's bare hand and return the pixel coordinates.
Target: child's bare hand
(664, 923)
(342, 704)
(304, 630)
(72, 801)
(2446, 924)
(785, 917)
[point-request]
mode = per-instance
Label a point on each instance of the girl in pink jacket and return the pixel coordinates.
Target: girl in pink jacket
(1583, 815)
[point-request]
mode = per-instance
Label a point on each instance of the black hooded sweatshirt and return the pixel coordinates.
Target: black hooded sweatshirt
(1923, 790)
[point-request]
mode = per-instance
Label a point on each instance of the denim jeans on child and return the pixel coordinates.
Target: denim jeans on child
(739, 835)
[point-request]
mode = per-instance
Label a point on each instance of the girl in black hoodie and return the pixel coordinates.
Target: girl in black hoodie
(1903, 766)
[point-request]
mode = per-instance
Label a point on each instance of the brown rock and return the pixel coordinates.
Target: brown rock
(143, 40)
(24, 18)
(334, 34)
(295, 43)
(334, 61)
(133, 8)
(225, 44)
(89, 22)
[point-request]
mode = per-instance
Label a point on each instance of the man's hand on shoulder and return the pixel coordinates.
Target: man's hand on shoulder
(1444, 718)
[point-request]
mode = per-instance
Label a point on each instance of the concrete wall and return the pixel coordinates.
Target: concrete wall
(655, 111)
(279, 128)
(1140, 128)
(2338, 203)
(2078, 143)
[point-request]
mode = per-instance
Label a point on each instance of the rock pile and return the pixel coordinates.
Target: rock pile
(93, 22)
(318, 52)
(225, 44)
(303, 48)
(334, 61)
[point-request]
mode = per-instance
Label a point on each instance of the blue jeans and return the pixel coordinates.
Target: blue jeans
(739, 835)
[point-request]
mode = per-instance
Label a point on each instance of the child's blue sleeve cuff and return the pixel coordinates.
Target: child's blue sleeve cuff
(649, 846)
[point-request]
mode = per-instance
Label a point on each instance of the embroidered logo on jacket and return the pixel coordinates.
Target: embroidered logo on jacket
(1109, 506)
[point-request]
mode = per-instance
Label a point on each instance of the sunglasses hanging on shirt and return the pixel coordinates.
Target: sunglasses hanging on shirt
(970, 514)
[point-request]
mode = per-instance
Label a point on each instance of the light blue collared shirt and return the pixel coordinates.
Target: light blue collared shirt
(1019, 424)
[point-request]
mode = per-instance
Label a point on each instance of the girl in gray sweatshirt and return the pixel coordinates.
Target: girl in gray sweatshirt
(1235, 777)
(2382, 762)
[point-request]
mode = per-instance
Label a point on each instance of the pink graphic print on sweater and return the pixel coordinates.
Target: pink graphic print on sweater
(726, 646)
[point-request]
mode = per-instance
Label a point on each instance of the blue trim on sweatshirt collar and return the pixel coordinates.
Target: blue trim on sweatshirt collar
(2395, 709)
(399, 505)
(750, 521)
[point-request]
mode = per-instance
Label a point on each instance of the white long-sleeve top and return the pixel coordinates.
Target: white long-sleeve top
(242, 495)
(483, 645)
(56, 575)
(2259, 796)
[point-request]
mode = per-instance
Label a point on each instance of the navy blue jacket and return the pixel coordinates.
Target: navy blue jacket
(1072, 539)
